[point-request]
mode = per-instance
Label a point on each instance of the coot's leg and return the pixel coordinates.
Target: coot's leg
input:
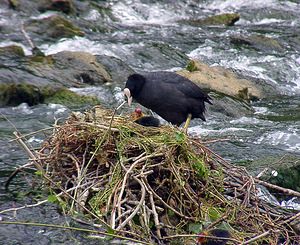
(187, 123)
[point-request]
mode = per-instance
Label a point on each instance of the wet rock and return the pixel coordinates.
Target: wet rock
(230, 106)
(65, 6)
(118, 70)
(25, 78)
(258, 42)
(53, 26)
(15, 94)
(226, 82)
(227, 19)
(68, 98)
(155, 56)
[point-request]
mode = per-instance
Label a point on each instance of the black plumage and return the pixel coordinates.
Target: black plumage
(170, 95)
(148, 121)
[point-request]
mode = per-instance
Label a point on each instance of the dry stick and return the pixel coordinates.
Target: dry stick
(27, 37)
(31, 155)
(278, 188)
(97, 125)
(266, 184)
(21, 142)
(290, 219)
(23, 207)
(257, 237)
(225, 216)
(155, 214)
(197, 235)
(14, 173)
(130, 169)
(32, 133)
(137, 208)
(168, 206)
(118, 204)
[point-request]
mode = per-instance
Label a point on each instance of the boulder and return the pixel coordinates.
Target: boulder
(35, 79)
(227, 19)
(258, 42)
(225, 81)
(54, 27)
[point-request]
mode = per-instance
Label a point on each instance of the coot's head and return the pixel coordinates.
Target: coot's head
(138, 113)
(133, 86)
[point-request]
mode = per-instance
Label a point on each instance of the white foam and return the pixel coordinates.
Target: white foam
(93, 15)
(199, 130)
(289, 140)
(77, 44)
(23, 108)
(138, 13)
(261, 110)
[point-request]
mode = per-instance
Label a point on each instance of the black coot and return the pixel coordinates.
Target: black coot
(173, 97)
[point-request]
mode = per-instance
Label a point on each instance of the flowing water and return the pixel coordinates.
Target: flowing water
(147, 36)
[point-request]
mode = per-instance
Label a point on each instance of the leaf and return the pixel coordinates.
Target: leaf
(195, 227)
(179, 137)
(38, 173)
(52, 198)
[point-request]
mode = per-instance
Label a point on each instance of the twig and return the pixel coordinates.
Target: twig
(14, 173)
(168, 206)
(29, 152)
(137, 208)
(204, 236)
(154, 212)
(278, 188)
(257, 237)
(23, 207)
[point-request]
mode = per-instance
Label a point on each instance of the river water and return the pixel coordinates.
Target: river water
(141, 31)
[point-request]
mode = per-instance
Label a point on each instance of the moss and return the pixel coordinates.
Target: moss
(42, 59)
(222, 19)
(227, 19)
(63, 28)
(15, 94)
(12, 50)
(55, 27)
(68, 98)
(192, 66)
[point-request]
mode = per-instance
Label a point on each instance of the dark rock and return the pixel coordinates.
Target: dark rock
(54, 26)
(258, 42)
(156, 56)
(15, 94)
(14, 4)
(81, 67)
(230, 106)
(65, 6)
(227, 19)
(118, 70)
(30, 78)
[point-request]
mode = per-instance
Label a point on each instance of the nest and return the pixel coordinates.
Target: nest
(156, 184)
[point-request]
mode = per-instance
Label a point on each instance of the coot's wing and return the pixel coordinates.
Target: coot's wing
(181, 83)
